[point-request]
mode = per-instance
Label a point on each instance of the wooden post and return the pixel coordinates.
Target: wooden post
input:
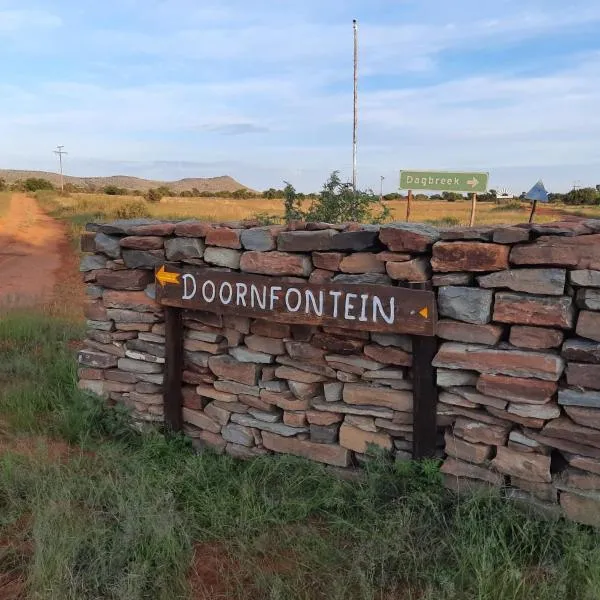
(473, 204)
(425, 392)
(532, 211)
(172, 395)
(408, 201)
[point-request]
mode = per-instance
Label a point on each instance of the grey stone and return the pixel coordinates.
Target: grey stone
(530, 505)
(452, 279)
(138, 366)
(237, 435)
(532, 281)
(100, 325)
(308, 367)
(276, 385)
(387, 373)
(483, 234)
(119, 315)
(94, 291)
(454, 378)
(278, 428)
(324, 434)
(157, 378)
(223, 257)
(589, 299)
(147, 347)
(258, 239)
(304, 390)
(354, 240)
(471, 305)
(393, 339)
(143, 259)
(511, 235)
(352, 409)
(184, 248)
(246, 355)
(261, 415)
(108, 245)
(333, 391)
(150, 291)
(203, 336)
(580, 350)
(362, 278)
(233, 387)
(197, 359)
(409, 237)
(96, 360)
(243, 452)
(356, 362)
(570, 397)
(305, 241)
(92, 262)
(585, 278)
(520, 438)
(124, 226)
(151, 337)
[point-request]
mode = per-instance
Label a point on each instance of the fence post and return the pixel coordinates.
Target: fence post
(425, 393)
(172, 395)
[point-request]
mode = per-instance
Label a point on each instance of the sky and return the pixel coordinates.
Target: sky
(262, 90)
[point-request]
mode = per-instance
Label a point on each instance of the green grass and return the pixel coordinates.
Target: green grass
(120, 516)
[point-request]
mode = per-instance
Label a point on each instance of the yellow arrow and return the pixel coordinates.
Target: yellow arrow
(163, 277)
(424, 312)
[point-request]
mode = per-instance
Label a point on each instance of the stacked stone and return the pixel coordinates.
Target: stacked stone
(520, 320)
(124, 350)
(251, 386)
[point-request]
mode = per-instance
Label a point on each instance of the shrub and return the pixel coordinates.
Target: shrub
(153, 195)
(33, 184)
(132, 210)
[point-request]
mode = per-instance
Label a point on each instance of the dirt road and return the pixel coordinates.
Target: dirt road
(32, 250)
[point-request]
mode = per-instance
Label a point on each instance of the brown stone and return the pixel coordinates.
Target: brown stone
(303, 391)
(459, 468)
(87, 241)
(535, 338)
(495, 361)
(326, 453)
(305, 352)
(481, 433)
(361, 262)
(142, 242)
(416, 270)
(227, 367)
(224, 238)
(581, 508)
(199, 419)
(469, 256)
(358, 440)
(264, 344)
(275, 263)
(95, 311)
(473, 453)
(90, 373)
(309, 367)
(285, 400)
(514, 418)
(452, 279)
(532, 281)
(457, 400)
(578, 480)
(294, 419)
(481, 233)
(284, 372)
(581, 252)
(547, 411)
(321, 276)
(137, 301)
(510, 235)
(544, 491)
(270, 329)
(588, 325)
(96, 360)
(337, 344)
(516, 389)
(588, 417)
(208, 391)
(584, 375)
(193, 229)
(305, 241)
(533, 467)
(408, 237)
(469, 333)
(564, 428)
(351, 333)
(388, 355)
(129, 279)
(567, 445)
(316, 417)
(356, 393)
(534, 310)
(387, 256)
(329, 261)
(201, 439)
(232, 387)
(160, 229)
(585, 463)
(361, 422)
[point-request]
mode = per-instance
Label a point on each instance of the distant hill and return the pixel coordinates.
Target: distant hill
(223, 183)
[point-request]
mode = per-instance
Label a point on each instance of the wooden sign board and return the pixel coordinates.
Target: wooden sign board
(379, 308)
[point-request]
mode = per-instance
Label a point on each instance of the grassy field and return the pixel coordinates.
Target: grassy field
(89, 509)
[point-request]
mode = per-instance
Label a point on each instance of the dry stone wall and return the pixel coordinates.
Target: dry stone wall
(518, 362)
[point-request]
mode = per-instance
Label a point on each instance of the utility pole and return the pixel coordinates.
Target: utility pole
(381, 188)
(355, 124)
(60, 153)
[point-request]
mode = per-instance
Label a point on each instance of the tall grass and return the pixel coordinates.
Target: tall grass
(122, 515)
(4, 203)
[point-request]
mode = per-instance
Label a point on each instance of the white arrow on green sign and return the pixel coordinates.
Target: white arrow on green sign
(447, 181)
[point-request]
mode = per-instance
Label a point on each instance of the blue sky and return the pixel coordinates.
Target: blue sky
(262, 90)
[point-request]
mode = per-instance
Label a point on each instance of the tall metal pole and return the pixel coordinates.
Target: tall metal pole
(355, 125)
(381, 188)
(60, 153)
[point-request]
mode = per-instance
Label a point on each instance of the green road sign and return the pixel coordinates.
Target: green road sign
(447, 181)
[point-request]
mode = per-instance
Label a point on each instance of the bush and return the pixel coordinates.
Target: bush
(3, 185)
(153, 195)
(582, 196)
(33, 184)
(512, 205)
(133, 209)
(113, 190)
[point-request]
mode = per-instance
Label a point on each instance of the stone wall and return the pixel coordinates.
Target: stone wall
(519, 348)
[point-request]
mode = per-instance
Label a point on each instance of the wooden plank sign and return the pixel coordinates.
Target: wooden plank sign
(379, 308)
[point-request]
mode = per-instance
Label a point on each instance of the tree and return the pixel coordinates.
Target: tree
(452, 196)
(241, 193)
(3, 186)
(582, 196)
(113, 190)
(272, 194)
(291, 203)
(153, 195)
(163, 190)
(33, 184)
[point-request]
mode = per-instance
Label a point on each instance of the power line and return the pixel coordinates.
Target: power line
(60, 153)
